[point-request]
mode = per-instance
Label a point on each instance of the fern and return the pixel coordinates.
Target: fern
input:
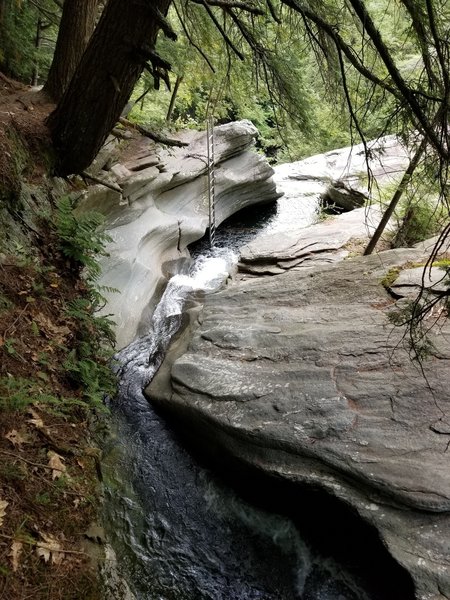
(80, 238)
(82, 243)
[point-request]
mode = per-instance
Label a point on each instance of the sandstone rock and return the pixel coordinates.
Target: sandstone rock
(302, 376)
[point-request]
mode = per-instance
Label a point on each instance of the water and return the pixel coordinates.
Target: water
(180, 533)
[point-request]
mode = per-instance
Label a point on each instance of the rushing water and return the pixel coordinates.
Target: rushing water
(178, 531)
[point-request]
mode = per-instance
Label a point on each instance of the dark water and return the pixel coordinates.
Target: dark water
(178, 531)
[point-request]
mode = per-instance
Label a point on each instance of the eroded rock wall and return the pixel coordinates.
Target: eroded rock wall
(163, 207)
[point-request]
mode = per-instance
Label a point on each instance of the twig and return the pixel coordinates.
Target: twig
(42, 545)
(231, 4)
(111, 186)
(156, 137)
(42, 466)
(191, 41)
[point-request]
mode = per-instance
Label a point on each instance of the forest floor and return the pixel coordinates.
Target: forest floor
(49, 465)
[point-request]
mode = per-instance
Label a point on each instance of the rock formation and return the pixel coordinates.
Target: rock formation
(163, 207)
(302, 376)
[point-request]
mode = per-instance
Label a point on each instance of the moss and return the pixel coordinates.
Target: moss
(390, 277)
(442, 263)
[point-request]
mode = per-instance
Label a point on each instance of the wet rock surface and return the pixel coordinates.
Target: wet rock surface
(301, 376)
(163, 207)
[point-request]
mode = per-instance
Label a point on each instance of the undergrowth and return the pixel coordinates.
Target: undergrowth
(55, 353)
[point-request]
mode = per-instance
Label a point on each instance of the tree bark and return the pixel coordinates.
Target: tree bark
(104, 80)
(75, 30)
(37, 45)
(173, 97)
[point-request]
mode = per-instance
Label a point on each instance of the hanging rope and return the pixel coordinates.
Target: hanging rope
(210, 110)
(211, 180)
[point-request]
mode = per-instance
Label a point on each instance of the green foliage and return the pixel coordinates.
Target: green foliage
(390, 277)
(419, 220)
(277, 89)
(80, 240)
(20, 57)
(16, 393)
(88, 362)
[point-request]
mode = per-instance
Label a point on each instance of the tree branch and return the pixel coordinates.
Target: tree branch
(273, 12)
(156, 137)
(221, 30)
(191, 41)
(232, 4)
(408, 94)
(111, 186)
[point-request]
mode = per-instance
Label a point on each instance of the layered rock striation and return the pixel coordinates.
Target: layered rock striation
(163, 207)
(301, 376)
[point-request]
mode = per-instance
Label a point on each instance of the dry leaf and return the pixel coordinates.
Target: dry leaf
(16, 549)
(49, 548)
(55, 332)
(36, 420)
(3, 505)
(55, 461)
(43, 552)
(15, 438)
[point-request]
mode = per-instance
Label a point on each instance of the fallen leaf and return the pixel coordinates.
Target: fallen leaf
(36, 420)
(55, 461)
(15, 438)
(43, 552)
(57, 333)
(16, 549)
(49, 548)
(3, 505)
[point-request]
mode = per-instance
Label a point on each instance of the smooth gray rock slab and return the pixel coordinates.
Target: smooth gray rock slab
(304, 182)
(410, 281)
(302, 375)
(328, 235)
(162, 209)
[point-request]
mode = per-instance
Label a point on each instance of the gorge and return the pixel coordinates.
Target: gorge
(337, 417)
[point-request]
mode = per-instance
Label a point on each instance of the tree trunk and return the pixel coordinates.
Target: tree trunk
(104, 80)
(75, 30)
(396, 198)
(37, 45)
(173, 97)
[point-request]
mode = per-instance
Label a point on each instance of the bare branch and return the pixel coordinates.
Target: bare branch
(156, 137)
(273, 12)
(221, 30)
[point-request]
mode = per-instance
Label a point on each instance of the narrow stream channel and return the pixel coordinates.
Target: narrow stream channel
(178, 532)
